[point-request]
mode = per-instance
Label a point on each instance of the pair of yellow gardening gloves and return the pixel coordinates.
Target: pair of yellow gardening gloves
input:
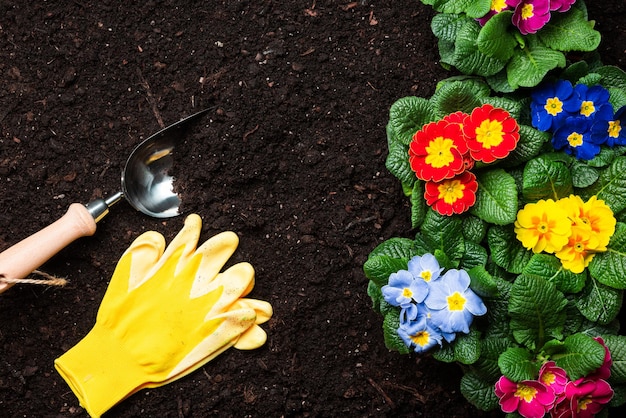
(166, 313)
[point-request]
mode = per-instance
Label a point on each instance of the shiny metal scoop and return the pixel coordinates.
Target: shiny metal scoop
(147, 183)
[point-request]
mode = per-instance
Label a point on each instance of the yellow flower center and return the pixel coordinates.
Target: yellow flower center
(489, 133)
(583, 403)
(527, 11)
(498, 5)
(426, 275)
(456, 302)
(543, 227)
(575, 139)
(451, 190)
(407, 293)
(554, 106)
(439, 152)
(587, 108)
(548, 378)
(614, 128)
(421, 338)
(525, 393)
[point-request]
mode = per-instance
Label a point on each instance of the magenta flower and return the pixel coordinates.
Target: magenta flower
(604, 372)
(530, 15)
(497, 6)
(587, 397)
(530, 398)
(555, 378)
(561, 5)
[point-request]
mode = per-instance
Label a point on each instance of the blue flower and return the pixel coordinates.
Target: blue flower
(420, 335)
(574, 136)
(594, 101)
(426, 267)
(453, 304)
(611, 130)
(404, 289)
(552, 103)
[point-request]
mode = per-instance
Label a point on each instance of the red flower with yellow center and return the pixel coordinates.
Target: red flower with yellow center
(452, 196)
(436, 151)
(491, 133)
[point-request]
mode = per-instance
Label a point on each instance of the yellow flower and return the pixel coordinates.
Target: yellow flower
(575, 256)
(543, 226)
(594, 217)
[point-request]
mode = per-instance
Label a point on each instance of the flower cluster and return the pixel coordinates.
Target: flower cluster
(580, 118)
(433, 307)
(571, 229)
(528, 15)
(443, 152)
(554, 393)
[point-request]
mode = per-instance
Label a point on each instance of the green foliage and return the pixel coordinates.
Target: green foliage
(499, 51)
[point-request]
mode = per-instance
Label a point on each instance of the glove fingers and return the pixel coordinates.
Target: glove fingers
(253, 337)
(136, 261)
(182, 247)
(233, 283)
(221, 333)
(262, 308)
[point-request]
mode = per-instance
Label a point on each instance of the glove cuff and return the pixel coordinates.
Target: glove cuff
(100, 372)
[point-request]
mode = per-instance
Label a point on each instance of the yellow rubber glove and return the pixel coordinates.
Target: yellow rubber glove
(164, 315)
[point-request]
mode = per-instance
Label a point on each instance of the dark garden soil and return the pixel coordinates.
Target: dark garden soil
(291, 158)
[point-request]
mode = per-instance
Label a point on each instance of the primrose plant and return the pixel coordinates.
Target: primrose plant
(517, 266)
(512, 43)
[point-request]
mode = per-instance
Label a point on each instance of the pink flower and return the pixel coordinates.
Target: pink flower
(530, 398)
(585, 398)
(497, 6)
(530, 15)
(561, 5)
(554, 377)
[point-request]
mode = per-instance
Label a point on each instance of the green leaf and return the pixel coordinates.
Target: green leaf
(396, 248)
(418, 205)
(599, 303)
(397, 163)
(446, 26)
(391, 323)
(482, 282)
(550, 268)
(379, 268)
(569, 31)
(617, 346)
(455, 96)
(537, 312)
(467, 347)
(473, 8)
(475, 255)
(407, 116)
(529, 66)
(530, 143)
(579, 355)
(468, 58)
(444, 233)
(506, 251)
(474, 228)
(496, 197)
(518, 364)
(546, 179)
(495, 39)
(374, 292)
(612, 77)
(609, 267)
(479, 392)
(487, 365)
(583, 175)
(611, 186)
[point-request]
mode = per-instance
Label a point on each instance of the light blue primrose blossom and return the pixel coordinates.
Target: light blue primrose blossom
(574, 137)
(404, 289)
(453, 304)
(420, 335)
(610, 131)
(425, 267)
(552, 103)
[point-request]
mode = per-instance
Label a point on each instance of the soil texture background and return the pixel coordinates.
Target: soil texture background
(290, 157)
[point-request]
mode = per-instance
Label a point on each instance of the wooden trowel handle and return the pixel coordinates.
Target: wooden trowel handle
(23, 258)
